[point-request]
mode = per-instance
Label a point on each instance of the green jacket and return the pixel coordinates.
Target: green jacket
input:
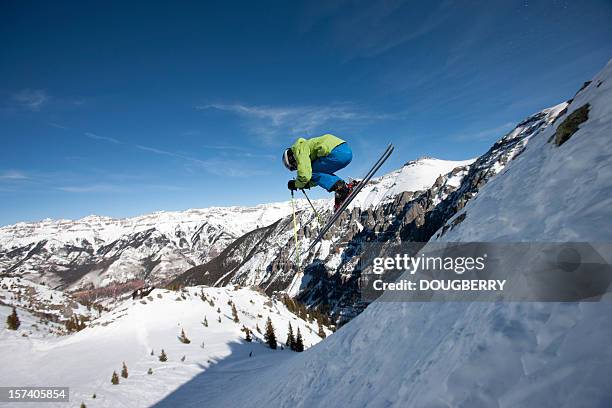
(306, 151)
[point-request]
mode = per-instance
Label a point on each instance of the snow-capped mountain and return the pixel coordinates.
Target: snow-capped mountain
(98, 251)
(406, 205)
(136, 331)
(481, 354)
(260, 257)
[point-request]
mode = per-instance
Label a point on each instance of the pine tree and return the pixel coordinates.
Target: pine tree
(93, 396)
(183, 338)
(299, 344)
(163, 357)
(290, 339)
(269, 335)
(321, 332)
(83, 405)
(235, 314)
(219, 319)
(248, 337)
(183, 359)
(205, 322)
(124, 371)
(152, 352)
(218, 310)
(115, 378)
(12, 321)
(150, 371)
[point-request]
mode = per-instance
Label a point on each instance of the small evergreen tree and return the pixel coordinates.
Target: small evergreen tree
(93, 396)
(152, 352)
(83, 405)
(183, 359)
(218, 310)
(299, 344)
(183, 338)
(269, 335)
(124, 371)
(115, 378)
(219, 319)
(12, 321)
(248, 337)
(235, 314)
(290, 338)
(205, 322)
(150, 371)
(321, 332)
(163, 357)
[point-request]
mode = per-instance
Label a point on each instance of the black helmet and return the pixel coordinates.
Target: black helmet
(289, 160)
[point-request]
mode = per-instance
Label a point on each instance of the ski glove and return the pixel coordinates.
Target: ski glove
(291, 185)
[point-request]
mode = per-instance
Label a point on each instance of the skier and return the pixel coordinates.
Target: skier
(316, 160)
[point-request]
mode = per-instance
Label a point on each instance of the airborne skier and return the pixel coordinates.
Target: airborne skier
(316, 160)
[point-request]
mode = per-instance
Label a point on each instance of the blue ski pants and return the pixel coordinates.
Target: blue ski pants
(323, 168)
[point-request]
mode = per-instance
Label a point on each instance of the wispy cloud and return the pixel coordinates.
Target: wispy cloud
(104, 138)
(31, 99)
(374, 27)
(221, 166)
(115, 188)
(57, 125)
(269, 122)
(163, 152)
(486, 134)
(13, 175)
(93, 188)
(223, 147)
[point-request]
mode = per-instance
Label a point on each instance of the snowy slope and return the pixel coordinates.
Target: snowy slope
(86, 360)
(261, 257)
(480, 354)
(53, 308)
(98, 229)
(98, 251)
(416, 175)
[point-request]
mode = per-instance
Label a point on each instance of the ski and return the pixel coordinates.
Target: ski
(334, 217)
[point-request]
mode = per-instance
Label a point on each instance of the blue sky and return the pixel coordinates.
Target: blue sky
(124, 109)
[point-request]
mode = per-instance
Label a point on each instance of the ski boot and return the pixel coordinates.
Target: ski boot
(342, 190)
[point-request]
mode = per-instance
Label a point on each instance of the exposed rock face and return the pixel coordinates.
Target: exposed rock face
(570, 125)
(98, 252)
(255, 246)
(329, 277)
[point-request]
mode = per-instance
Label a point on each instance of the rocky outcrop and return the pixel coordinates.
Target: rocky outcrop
(329, 278)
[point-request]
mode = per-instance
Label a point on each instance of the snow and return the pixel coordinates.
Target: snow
(436, 354)
(416, 175)
(96, 229)
(551, 193)
(85, 361)
(476, 354)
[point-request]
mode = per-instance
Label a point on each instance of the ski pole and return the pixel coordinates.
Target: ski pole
(313, 207)
(295, 232)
